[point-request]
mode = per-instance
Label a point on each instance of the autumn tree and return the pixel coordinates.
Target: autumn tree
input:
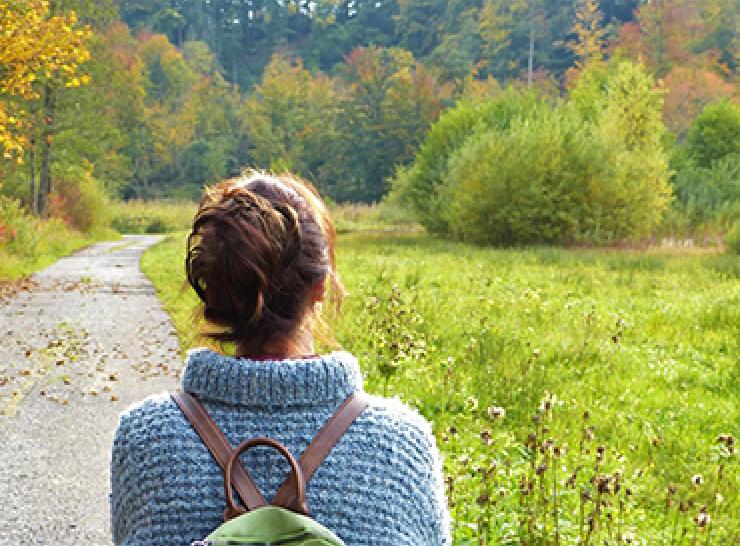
(37, 46)
(589, 43)
(388, 101)
(289, 119)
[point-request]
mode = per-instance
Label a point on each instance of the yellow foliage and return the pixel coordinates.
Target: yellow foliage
(589, 44)
(34, 42)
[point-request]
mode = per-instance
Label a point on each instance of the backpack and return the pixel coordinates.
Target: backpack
(285, 521)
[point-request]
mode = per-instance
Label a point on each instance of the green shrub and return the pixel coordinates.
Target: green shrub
(715, 133)
(417, 185)
(706, 194)
(521, 185)
(519, 170)
(28, 243)
(732, 239)
(80, 200)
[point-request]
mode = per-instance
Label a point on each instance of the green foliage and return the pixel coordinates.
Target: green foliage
(28, 243)
(536, 181)
(708, 194)
(517, 170)
(732, 239)
(80, 200)
(715, 134)
(418, 185)
(345, 134)
(573, 393)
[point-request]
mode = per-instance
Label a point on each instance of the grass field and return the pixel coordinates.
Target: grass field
(579, 397)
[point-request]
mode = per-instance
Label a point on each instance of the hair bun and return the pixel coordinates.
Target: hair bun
(256, 249)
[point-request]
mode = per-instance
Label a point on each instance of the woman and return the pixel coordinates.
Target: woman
(260, 255)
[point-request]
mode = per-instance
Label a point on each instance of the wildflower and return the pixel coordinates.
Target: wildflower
(496, 412)
(697, 479)
(471, 403)
(486, 437)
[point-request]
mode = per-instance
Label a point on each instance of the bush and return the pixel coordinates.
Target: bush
(417, 185)
(715, 133)
(732, 239)
(28, 243)
(79, 200)
(533, 182)
(519, 170)
(708, 194)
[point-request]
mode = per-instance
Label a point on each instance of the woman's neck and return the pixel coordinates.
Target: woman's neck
(298, 347)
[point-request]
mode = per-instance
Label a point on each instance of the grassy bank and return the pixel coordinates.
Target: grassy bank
(579, 397)
(28, 244)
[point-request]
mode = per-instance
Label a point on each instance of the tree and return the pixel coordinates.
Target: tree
(289, 118)
(715, 133)
(388, 101)
(588, 46)
(35, 45)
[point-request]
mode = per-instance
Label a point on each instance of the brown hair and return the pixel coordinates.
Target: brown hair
(259, 244)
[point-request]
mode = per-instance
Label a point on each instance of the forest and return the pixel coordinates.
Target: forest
(143, 99)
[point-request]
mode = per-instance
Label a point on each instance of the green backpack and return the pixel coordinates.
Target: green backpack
(285, 522)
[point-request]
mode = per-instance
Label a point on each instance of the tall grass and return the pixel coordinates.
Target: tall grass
(138, 216)
(28, 243)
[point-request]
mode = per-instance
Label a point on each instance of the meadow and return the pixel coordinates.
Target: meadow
(578, 396)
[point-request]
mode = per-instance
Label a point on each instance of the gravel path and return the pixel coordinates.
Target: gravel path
(80, 342)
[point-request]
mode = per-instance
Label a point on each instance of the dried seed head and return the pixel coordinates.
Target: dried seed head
(496, 412)
(697, 479)
(483, 499)
(588, 433)
(486, 437)
(702, 519)
(541, 469)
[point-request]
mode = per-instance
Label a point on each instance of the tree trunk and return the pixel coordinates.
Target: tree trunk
(530, 57)
(32, 199)
(33, 203)
(46, 136)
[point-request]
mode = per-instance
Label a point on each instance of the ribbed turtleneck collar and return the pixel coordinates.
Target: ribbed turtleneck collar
(328, 378)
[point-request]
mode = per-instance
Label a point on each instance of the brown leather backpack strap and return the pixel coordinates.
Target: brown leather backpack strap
(220, 447)
(321, 445)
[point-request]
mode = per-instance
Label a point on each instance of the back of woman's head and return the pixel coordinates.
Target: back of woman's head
(260, 247)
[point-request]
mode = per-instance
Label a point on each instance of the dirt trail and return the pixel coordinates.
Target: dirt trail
(83, 340)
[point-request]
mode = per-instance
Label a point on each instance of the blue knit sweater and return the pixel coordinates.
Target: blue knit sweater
(380, 486)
